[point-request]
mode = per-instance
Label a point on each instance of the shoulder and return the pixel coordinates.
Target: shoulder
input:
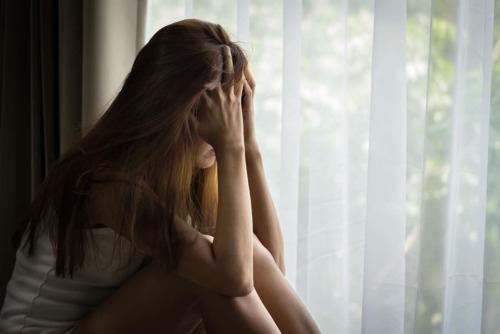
(114, 193)
(125, 203)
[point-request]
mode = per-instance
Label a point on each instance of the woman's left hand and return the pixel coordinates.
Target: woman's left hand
(248, 110)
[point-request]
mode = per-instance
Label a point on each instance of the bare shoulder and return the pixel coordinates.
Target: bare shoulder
(107, 197)
(129, 206)
(126, 204)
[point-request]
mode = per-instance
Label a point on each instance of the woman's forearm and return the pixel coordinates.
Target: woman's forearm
(265, 220)
(233, 239)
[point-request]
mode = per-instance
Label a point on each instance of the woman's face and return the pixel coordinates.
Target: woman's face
(205, 154)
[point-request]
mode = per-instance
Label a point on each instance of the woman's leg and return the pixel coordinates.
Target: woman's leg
(273, 290)
(149, 302)
(279, 298)
(153, 301)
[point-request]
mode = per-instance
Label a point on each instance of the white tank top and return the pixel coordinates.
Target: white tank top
(37, 301)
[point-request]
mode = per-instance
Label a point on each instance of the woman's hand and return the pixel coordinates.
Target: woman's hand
(248, 111)
(221, 119)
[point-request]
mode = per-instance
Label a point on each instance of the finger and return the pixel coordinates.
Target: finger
(246, 98)
(228, 65)
(239, 87)
(249, 77)
(247, 89)
(206, 99)
(238, 90)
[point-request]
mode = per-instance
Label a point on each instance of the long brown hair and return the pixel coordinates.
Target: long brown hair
(149, 132)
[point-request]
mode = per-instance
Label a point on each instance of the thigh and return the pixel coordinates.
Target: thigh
(243, 315)
(151, 301)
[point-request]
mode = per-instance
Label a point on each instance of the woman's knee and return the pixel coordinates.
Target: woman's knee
(262, 258)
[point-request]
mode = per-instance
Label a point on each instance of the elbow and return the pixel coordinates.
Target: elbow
(241, 289)
(238, 285)
(245, 286)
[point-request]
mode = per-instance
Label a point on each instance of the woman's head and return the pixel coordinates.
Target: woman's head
(149, 131)
(160, 96)
(150, 128)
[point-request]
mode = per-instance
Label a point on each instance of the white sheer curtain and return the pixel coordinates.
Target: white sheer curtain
(379, 122)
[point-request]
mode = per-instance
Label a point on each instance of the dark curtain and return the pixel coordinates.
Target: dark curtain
(40, 61)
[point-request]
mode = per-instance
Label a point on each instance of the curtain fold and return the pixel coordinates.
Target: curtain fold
(290, 127)
(490, 202)
(468, 158)
(384, 258)
(44, 109)
(70, 72)
(29, 140)
(15, 139)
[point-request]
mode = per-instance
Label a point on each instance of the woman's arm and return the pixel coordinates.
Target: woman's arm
(221, 125)
(226, 266)
(265, 220)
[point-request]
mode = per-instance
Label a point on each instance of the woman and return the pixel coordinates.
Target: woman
(139, 229)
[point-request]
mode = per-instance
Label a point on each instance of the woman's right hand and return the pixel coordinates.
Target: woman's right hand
(221, 118)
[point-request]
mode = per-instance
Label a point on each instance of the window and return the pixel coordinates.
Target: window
(379, 124)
